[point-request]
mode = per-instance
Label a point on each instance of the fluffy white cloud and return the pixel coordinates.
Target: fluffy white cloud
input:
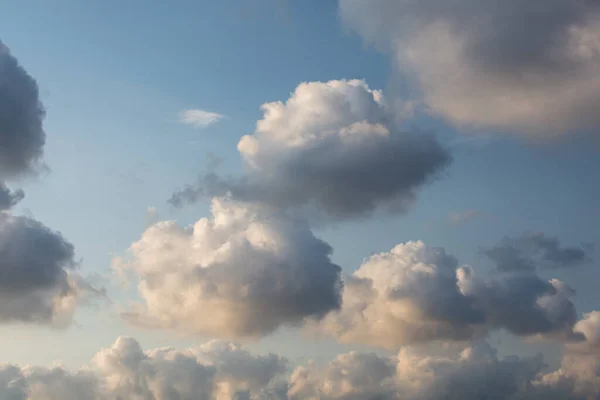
(199, 118)
(332, 147)
(417, 294)
(529, 67)
(242, 273)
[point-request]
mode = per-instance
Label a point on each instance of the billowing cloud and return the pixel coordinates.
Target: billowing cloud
(38, 282)
(475, 373)
(213, 371)
(417, 294)
(535, 250)
(223, 371)
(242, 273)
(199, 118)
(332, 147)
(22, 137)
(527, 67)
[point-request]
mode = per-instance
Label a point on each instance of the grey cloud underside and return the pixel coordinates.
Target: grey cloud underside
(34, 266)
(340, 185)
(536, 250)
(527, 67)
(9, 198)
(22, 136)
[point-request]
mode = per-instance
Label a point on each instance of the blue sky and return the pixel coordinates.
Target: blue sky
(113, 77)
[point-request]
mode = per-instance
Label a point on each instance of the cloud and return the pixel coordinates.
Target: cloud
(462, 217)
(9, 198)
(22, 137)
(220, 370)
(417, 294)
(39, 283)
(535, 250)
(332, 147)
(475, 373)
(214, 370)
(199, 118)
(242, 273)
(527, 68)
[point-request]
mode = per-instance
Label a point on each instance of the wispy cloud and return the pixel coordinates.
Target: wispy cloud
(461, 217)
(199, 118)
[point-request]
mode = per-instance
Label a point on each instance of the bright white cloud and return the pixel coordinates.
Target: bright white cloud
(199, 118)
(242, 273)
(526, 67)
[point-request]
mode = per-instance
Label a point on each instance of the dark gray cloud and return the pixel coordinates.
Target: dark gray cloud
(38, 283)
(528, 67)
(22, 136)
(9, 198)
(536, 250)
(331, 148)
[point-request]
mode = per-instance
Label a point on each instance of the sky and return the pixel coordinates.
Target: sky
(399, 191)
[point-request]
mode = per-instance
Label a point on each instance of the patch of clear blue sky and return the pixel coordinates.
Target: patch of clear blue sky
(114, 75)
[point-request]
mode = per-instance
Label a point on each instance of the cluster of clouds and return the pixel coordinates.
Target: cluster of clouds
(333, 151)
(525, 67)
(38, 279)
(220, 370)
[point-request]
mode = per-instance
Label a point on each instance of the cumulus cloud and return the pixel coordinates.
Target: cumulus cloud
(199, 118)
(417, 294)
(242, 273)
(535, 250)
(213, 371)
(475, 373)
(332, 147)
(38, 281)
(223, 371)
(528, 67)
(22, 136)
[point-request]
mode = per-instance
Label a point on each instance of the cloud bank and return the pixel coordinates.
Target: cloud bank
(242, 273)
(526, 67)
(332, 147)
(222, 371)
